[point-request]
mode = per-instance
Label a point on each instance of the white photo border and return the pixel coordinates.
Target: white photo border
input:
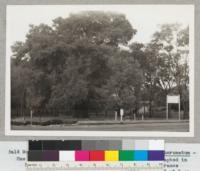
(10, 132)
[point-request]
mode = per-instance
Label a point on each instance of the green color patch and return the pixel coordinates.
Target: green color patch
(126, 155)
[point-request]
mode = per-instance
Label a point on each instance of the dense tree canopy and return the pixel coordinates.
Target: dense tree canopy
(77, 64)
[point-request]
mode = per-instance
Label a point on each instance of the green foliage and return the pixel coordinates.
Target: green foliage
(96, 27)
(68, 63)
(77, 64)
(125, 82)
(172, 62)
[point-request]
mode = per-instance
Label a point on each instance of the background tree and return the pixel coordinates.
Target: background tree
(124, 86)
(172, 68)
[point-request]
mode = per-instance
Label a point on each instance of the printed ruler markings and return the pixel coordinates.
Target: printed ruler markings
(60, 166)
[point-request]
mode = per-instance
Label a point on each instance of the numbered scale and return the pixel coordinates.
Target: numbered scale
(93, 166)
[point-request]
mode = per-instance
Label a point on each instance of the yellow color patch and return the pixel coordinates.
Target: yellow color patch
(111, 155)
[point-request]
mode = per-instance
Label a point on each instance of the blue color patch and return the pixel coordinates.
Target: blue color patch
(140, 155)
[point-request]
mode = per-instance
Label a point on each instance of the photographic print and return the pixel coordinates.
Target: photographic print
(100, 70)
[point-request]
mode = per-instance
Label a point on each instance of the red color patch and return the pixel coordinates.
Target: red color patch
(97, 155)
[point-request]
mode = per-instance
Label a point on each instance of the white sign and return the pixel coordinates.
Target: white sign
(173, 99)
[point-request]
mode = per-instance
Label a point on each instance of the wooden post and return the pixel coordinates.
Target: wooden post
(179, 111)
(121, 114)
(167, 111)
(134, 115)
(31, 117)
(115, 115)
(142, 116)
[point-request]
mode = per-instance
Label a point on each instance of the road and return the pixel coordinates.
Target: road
(168, 126)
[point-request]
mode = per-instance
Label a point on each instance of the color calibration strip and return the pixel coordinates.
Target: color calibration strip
(83, 155)
(125, 150)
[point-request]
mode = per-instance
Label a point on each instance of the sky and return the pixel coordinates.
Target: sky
(145, 18)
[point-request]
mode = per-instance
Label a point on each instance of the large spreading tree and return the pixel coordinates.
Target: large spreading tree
(78, 65)
(68, 64)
